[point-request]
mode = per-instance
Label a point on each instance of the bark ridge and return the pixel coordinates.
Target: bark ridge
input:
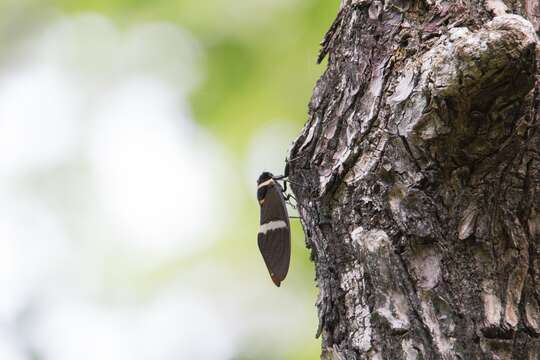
(421, 169)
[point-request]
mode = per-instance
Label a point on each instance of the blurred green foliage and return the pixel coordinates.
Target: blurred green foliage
(259, 67)
(260, 57)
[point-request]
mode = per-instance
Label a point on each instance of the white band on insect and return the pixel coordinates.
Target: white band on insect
(267, 182)
(272, 225)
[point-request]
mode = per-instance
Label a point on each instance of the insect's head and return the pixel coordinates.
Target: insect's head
(265, 176)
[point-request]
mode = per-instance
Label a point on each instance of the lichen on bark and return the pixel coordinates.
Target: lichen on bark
(419, 168)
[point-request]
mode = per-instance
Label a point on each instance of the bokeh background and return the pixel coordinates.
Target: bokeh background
(131, 136)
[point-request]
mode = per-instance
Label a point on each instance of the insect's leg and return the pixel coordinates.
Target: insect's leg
(296, 204)
(297, 184)
(284, 185)
(288, 198)
(283, 177)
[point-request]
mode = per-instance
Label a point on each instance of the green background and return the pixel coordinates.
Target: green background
(258, 65)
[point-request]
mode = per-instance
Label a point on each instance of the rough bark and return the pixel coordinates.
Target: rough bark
(418, 181)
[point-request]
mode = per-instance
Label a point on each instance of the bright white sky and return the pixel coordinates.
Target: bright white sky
(103, 176)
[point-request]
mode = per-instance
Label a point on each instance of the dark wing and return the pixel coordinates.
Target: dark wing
(273, 208)
(275, 234)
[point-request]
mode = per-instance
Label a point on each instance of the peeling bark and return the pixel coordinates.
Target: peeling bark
(420, 173)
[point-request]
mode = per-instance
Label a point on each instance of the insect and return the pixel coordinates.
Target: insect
(274, 236)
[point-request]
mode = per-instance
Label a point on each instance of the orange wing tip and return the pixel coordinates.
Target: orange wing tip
(276, 280)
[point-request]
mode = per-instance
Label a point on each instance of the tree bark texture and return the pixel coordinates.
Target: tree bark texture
(418, 181)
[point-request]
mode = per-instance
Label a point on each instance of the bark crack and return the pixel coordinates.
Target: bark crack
(423, 173)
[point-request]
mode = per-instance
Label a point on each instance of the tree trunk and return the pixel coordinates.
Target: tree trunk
(418, 181)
